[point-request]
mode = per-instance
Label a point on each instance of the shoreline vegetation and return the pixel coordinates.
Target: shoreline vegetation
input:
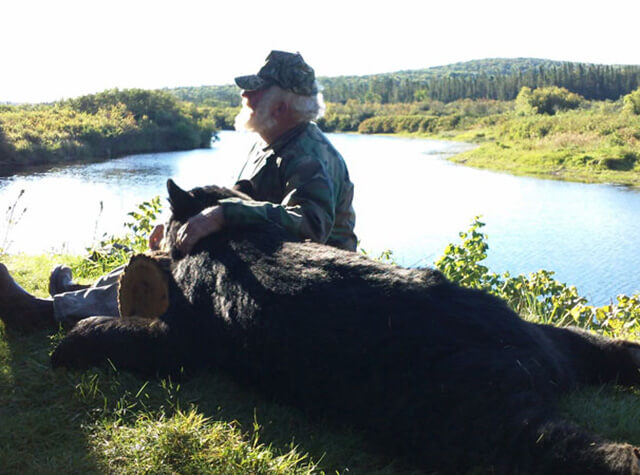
(533, 117)
(546, 133)
(599, 143)
(107, 125)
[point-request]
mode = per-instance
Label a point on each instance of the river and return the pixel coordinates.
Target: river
(408, 199)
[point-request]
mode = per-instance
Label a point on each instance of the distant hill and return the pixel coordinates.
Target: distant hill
(491, 66)
(495, 78)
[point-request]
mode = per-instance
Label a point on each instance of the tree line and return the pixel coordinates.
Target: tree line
(498, 79)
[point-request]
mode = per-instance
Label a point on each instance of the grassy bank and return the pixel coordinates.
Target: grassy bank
(592, 146)
(104, 421)
(106, 125)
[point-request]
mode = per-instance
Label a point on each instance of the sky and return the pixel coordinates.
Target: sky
(50, 50)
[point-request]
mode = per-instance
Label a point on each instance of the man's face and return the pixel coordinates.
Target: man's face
(255, 114)
(252, 98)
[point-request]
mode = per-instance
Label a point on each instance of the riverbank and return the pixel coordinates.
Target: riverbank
(537, 162)
(554, 165)
(545, 133)
(575, 146)
(577, 153)
(101, 126)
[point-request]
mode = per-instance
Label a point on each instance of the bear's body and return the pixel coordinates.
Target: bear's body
(449, 376)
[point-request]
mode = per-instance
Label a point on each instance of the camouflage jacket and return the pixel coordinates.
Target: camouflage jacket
(300, 182)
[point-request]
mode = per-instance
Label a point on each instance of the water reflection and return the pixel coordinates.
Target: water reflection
(407, 199)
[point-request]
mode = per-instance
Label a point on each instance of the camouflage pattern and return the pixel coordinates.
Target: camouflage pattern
(300, 182)
(287, 70)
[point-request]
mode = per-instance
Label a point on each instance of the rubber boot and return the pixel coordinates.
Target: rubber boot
(19, 310)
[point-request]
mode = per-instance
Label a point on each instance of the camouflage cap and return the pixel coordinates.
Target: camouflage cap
(287, 70)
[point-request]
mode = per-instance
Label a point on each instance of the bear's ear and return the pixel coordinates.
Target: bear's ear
(183, 205)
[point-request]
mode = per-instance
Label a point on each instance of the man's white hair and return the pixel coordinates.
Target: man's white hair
(305, 108)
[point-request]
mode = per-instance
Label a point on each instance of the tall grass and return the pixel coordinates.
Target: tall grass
(13, 215)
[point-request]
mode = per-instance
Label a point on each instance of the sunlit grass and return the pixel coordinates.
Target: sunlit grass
(611, 411)
(583, 146)
(187, 442)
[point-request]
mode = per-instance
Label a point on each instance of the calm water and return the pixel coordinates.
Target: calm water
(408, 199)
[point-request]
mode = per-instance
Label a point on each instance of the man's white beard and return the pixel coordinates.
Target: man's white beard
(259, 121)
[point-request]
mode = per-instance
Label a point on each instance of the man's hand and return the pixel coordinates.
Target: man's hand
(156, 236)
(208, 221)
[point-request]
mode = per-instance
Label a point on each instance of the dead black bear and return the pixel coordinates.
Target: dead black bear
(447, 376)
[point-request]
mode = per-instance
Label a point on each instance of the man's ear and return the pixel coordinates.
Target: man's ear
(281, 110)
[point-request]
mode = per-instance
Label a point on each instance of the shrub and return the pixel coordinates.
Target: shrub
(537, 296)
(546, 100)
(632, 102)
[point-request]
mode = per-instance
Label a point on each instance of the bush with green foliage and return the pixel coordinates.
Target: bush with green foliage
(546, 100)
(538, 296)
(114, 251)
(632, 102)
(429, 124)
(420, 117)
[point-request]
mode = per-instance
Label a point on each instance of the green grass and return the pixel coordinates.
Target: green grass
(611, 411)
(105, 421)
(589, 146)
(547, 163)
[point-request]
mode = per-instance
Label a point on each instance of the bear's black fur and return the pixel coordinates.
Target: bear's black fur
(447, 376)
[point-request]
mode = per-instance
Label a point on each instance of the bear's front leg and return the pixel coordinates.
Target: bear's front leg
(136, 344)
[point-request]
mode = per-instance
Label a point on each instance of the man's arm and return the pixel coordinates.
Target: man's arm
(307, 210)
(208, 221)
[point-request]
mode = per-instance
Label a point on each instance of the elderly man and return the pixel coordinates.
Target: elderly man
(294, 175)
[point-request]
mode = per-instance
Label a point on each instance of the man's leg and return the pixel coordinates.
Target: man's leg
(101, 299)
(22, 311)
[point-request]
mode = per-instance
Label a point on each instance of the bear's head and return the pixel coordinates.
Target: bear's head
(266, 236)
(185, 204)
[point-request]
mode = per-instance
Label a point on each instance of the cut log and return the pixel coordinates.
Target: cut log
(144, 288)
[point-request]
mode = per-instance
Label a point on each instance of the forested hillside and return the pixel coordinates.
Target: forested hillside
(499, 79)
